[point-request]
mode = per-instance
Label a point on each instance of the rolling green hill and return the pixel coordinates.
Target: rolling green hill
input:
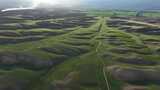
(80, 52)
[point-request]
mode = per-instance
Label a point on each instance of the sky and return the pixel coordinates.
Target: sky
(125, 4)
(102, 4)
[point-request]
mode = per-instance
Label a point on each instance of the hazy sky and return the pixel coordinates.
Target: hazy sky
(13, 3)
(108, 4)
(125, 4)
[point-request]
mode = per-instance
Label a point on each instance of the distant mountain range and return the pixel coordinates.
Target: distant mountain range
(97, 4)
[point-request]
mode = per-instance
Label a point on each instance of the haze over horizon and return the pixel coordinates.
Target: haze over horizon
(99, 4)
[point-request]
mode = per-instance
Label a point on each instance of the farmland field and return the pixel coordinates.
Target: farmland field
(73, 50)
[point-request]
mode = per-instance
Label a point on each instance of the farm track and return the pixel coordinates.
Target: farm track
(101, 60)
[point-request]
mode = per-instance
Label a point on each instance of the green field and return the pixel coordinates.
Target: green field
(123, 13)
(93, 57)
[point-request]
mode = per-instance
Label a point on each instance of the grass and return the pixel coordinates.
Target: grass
(108, 13)
(124, 13)
(83, 71)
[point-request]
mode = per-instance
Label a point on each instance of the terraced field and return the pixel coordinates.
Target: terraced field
(79, 53)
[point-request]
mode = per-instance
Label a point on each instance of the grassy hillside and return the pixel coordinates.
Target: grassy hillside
(98, 51)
